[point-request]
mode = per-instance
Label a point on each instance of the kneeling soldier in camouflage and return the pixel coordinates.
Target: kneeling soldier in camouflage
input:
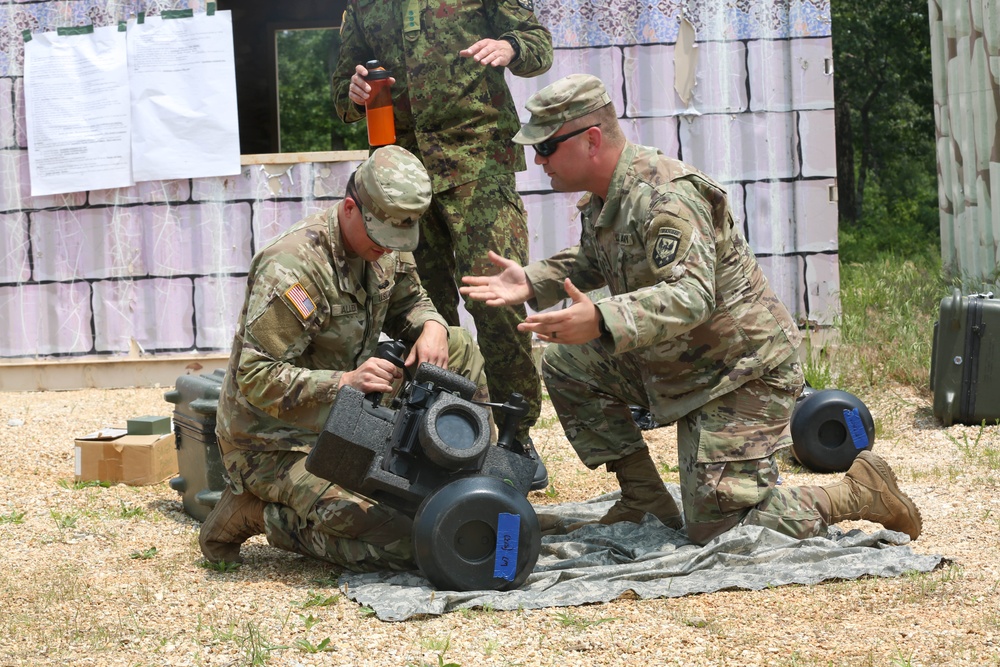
(692, 331)
(317, 298)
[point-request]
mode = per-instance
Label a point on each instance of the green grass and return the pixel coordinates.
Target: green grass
(221, 566)
(315, 599)
(888, 309)
(981, 449)
(14, 517)
(145, 554)
(83, 484)
(126, 511)
(439, 645)
(568, 619)
(64, 520)
(306, 646)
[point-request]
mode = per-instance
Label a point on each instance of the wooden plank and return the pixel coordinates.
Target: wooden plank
(295, 158)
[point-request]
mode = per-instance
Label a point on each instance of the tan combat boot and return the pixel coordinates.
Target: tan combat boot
(869, 491)
(642, 491)
(233, 520)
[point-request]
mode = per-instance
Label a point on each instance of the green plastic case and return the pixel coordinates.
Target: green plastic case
(966, 344)
(202, 477)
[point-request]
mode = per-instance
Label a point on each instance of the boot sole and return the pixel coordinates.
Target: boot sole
(886, 473)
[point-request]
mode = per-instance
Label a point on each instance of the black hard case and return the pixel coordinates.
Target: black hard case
(202, 476)
(964, 377)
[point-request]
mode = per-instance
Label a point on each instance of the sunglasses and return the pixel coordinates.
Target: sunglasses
(549, 146)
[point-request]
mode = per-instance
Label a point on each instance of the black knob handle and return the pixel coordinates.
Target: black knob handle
(513, 411)
(390, 350)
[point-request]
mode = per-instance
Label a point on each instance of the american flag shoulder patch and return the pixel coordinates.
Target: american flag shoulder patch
(300, 300)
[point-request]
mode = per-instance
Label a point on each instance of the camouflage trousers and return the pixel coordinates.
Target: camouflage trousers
(725, 448)
(460, 227)
(309, 515)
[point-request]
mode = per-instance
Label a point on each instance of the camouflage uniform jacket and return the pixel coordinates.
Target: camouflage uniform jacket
(306, 320)
(687, 294)
(454, 114)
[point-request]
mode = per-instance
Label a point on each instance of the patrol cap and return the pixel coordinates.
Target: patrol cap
(394, 190)
(570, 97)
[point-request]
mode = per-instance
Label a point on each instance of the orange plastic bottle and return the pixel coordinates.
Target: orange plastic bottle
(378, 108)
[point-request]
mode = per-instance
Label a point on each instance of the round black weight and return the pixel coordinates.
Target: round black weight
(454, 433)
(456, 530)
(827, 433)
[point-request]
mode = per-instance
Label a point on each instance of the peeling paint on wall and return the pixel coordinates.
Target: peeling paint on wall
(685, 61)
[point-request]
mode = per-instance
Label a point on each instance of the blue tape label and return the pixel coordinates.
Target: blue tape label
(856, 428)
(508, 530)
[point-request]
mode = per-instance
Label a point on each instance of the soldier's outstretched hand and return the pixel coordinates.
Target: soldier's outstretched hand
(510, 287)
(495, 52)
(575, 325)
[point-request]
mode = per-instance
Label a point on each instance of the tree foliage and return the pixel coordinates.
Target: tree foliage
(305, 104)
(885, 127)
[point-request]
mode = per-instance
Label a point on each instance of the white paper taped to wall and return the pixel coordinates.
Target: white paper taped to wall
(107, 107)
(77, 110)
(183, 82)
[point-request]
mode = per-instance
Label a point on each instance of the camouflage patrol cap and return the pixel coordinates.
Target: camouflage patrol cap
(570, 97)
(394, 190)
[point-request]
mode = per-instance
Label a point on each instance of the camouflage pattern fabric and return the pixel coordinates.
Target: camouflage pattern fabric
(394, 190)
(473, 219)
(694, 333)
(687, 294)
(458, 117)
(308, 515)
(726, 455)
(726, 448)
(453, 113)
(556, 104)
(306, 320)
(311, 516)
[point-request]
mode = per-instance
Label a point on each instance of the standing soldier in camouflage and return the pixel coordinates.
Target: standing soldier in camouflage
(453, 109)
(692, 331)
(317, 298)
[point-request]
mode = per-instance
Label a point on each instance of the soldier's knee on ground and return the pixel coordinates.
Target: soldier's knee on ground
(704, 532)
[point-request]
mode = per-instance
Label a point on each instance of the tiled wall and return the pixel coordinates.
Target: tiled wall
(161, 266)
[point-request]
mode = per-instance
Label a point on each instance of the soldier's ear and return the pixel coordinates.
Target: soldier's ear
(594, 138)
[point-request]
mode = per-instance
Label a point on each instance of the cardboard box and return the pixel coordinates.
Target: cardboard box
(109, 455)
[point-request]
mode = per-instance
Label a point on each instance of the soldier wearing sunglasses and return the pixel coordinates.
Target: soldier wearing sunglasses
(692, 331)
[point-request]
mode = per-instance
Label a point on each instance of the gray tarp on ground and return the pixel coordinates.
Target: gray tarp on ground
(598, 563)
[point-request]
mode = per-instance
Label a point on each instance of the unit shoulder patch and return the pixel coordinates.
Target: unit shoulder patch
(665, 248)
(669, 244)
(527, 4)
(299, 299)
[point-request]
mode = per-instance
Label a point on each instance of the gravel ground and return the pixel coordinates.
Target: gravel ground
(114, 576)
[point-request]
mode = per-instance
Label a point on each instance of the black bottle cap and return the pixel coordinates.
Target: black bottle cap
(376, 71)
